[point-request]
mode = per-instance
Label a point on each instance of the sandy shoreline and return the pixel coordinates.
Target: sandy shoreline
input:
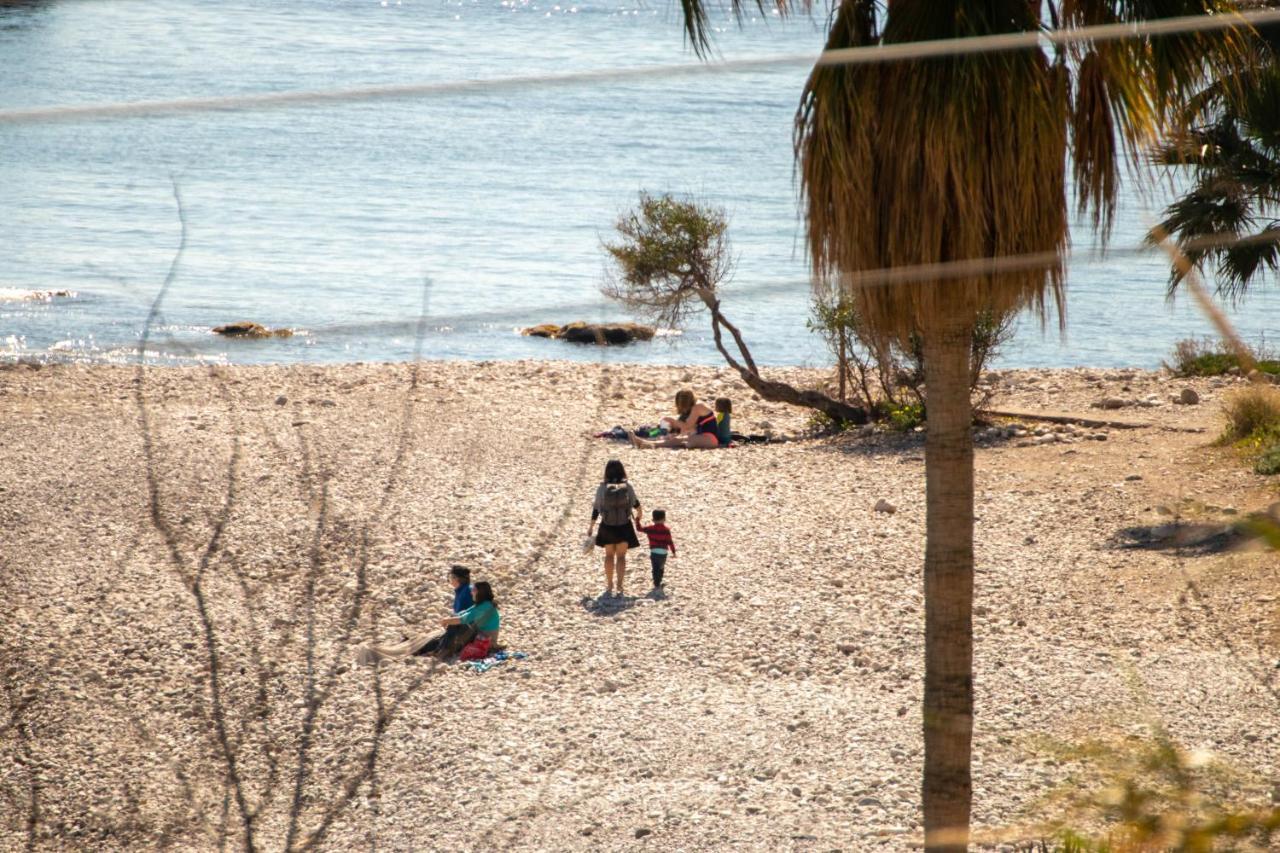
(770, 701)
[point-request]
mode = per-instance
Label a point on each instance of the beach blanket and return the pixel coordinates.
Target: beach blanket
(620, 434)
(616, 434)
(493, 660)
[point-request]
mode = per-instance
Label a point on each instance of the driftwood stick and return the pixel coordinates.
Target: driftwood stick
(1068, 419)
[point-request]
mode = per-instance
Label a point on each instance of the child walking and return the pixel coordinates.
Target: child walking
(661, 545)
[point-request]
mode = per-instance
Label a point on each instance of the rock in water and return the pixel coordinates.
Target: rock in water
(545, 330)
(248, 329)
(592, 333)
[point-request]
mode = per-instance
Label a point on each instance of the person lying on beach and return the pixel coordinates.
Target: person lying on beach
(460, 580)
(694, 428)
(614, 503)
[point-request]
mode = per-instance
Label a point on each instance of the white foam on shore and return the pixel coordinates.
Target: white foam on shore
(17, 294)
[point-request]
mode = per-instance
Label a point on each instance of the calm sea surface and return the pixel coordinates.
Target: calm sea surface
(329, 220)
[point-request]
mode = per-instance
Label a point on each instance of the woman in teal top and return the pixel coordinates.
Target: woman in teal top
(482, 616)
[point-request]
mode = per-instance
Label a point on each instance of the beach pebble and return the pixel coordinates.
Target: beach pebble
(884, 506)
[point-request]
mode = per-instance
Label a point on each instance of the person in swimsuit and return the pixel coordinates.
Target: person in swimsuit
(695, 427)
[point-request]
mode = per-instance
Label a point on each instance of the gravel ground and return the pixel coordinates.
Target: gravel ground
(166, 675)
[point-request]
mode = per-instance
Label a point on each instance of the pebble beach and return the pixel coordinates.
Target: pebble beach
(192, 555)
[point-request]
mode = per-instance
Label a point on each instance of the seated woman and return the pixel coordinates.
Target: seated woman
(695, 427)
(482, 619)
(423, 643)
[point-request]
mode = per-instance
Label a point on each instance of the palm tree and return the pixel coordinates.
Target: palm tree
(940, 160)
(1230, 141)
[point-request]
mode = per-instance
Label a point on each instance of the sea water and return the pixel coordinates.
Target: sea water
(466, 216)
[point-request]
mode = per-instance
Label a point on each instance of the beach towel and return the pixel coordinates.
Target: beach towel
(616, 434)
(493, 660)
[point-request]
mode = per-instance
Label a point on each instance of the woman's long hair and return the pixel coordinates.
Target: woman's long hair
(684, 402)
(484, 592)
(614, 472)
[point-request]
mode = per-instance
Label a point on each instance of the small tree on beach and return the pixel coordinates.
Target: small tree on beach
(957, 159)
(883, 373)
(671, 259)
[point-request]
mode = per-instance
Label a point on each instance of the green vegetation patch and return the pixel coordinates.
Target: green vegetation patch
(906, 417)
(1253, 426)
(1205, 357)
(1268, 463)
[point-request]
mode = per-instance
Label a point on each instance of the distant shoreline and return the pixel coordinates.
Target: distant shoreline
(9, 361)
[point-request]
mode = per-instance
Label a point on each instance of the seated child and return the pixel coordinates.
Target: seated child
(660, 545)
(724, 432)
(460, 580)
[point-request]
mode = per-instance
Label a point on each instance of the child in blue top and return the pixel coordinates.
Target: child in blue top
(460, 580)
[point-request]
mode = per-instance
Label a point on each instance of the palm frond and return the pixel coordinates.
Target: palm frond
(924, 161)
(697, 18)
(1148, 85)
(1241, 264)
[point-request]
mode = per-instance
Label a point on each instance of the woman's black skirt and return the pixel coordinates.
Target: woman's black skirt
(611, 534)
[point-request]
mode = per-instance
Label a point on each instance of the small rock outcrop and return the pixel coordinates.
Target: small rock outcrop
(592, 333)
(248, 329)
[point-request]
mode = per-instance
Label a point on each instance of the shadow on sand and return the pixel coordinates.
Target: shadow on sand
(603, 605)
(1191, 538)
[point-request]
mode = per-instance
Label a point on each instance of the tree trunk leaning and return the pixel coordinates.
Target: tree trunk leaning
(947, 789)
(774, 392)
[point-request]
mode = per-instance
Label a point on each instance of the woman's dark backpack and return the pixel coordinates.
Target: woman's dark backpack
(616, 503)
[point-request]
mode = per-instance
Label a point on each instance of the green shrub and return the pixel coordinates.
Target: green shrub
(821, 423)
(1206, 357)
(906, 417)
(1157, 797)
(1253, 416)
(1269, 462)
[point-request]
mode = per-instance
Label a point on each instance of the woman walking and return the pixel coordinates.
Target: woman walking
(614, 505)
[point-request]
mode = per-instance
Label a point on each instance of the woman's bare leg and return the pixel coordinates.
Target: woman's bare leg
(668, 441)
(608, 567)
(620, 563)
(702, 441)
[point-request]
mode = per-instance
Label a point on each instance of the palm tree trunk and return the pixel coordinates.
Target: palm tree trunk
(948, 588)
